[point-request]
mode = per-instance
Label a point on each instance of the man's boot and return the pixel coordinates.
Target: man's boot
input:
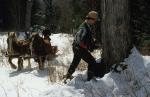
(68, 76)
(90, 75)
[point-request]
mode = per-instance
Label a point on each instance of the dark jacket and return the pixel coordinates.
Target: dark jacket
(84, 36)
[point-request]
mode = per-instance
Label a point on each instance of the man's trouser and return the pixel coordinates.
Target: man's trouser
(81, 53)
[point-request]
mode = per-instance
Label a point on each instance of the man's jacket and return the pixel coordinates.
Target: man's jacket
(83, 37)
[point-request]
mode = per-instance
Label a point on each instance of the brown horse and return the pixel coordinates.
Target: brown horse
(17, 49)
(36, 47)
(42, 49)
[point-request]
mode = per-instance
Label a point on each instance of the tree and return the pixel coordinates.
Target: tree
(52, 15)
(17, 10)
(49, 12)
(4, 16)
(28, 14)
(115, 31)
(140, 24)
(37, 15)
(12, 14)
(65, 20)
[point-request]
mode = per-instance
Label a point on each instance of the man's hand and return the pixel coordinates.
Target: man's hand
(97, 46)
(94, 46)
(82, 45)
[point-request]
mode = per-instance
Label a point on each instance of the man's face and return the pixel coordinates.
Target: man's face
(92, 21)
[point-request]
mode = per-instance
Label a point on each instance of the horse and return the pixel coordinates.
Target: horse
(17, 49)
(42, 49)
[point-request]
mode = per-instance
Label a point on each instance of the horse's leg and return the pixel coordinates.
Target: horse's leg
(29, 64)
(20, 63)
(11, 64)
(41, 63)
(43, 60)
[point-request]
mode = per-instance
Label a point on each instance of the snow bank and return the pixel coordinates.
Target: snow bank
(64, 43)
(132, 82)
(34, 82)
(3, 42)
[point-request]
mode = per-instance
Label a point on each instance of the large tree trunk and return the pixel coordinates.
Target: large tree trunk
(12, 15)
(115, 31)
(140, 25)
(17, 10)
(28, 14)
(28, 17)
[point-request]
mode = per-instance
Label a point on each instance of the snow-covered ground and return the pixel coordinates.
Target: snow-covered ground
(132, 82)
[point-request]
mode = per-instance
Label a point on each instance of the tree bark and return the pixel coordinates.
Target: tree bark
(115, 31)
(28, 14)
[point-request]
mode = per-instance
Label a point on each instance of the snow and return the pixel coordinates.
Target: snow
(64, 42)
(132, 82)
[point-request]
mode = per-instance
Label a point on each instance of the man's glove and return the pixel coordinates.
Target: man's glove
(93, 47)
(82, 45)
(66, 77)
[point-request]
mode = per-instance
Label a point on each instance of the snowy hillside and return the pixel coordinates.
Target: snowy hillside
(132, 82)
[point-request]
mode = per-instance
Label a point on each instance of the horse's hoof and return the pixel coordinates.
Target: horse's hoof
(29, 67)
(19, 69)
(13, 66)
(41, 68)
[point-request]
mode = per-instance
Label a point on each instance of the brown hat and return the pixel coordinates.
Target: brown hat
(92, 14)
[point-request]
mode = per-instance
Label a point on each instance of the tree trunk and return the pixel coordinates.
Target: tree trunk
(115, 31)
(28, 14)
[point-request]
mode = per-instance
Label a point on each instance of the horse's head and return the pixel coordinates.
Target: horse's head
(12, 35)
(35, 37)
(38, 44)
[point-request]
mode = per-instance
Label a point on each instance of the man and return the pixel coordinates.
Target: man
(82, 46)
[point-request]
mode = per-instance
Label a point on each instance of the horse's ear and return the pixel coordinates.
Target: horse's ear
(12, 34)
(34, 34)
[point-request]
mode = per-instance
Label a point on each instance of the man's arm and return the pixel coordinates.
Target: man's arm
(82, 43)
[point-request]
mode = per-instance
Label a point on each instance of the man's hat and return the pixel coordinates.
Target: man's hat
(92, 15)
